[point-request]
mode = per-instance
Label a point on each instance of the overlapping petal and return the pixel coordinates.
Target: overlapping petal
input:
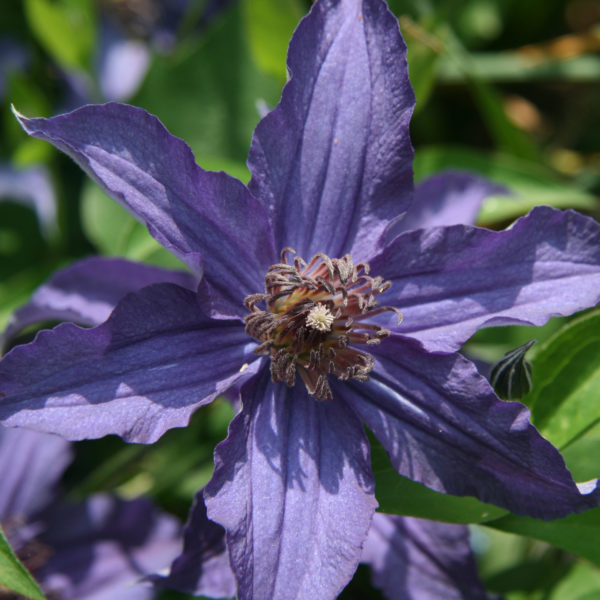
(96, 550)
(87, 291)
(203, 567)
(442, 425)
(194, 213)
(450, 282)
(31, 465)
(143, 371)
(101, 549)
(335, 155)
(444, 199)
(293, 489)
(417, 559)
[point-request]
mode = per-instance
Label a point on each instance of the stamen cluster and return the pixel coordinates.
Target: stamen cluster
(314, 312)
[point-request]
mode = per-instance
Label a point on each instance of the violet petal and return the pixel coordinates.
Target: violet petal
(444, 199)
(86, 291)
(202, 569)
(101, 549)
(31, 465)
(417, 559)
(335, 154)
(450, 282)
(145, 370)
(443, 426)
(192, 212)
(293, 488)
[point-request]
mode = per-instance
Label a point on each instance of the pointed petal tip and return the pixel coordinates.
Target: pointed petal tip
(154, 175)
(344, 170)
(515, 466)
(545, 264)
(133, 400)
(19, 116)
(588, 487)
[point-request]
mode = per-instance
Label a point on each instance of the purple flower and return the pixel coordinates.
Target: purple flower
(416, 559)
(99, 549)
(305, 346)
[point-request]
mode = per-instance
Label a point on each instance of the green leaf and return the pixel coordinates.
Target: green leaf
(488, 100)
(207, 93)
(581, 583)
(269, 25)
(26, 258)
(399, 495)
(65, 28)
(582, 455)
(16, 290)
(13, 575)
(576, 533)
(566, 381)
(506, 135)
(491, 343)
(515, 66)
(24, 91)
(424, 49)
(234, 168)
(479, 20)
(115, 232)
(511, 564)
(530, 183)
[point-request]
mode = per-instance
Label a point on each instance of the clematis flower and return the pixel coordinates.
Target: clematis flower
(419, 559)
(309, 340)
(98, 549)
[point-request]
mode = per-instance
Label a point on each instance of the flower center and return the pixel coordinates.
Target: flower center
(313, 313)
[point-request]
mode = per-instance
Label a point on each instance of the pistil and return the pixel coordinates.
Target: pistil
(320, 318)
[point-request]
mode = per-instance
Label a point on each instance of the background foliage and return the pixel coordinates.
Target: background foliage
(505, 88)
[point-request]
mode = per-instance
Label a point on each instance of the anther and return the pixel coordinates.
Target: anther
(314, 316)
